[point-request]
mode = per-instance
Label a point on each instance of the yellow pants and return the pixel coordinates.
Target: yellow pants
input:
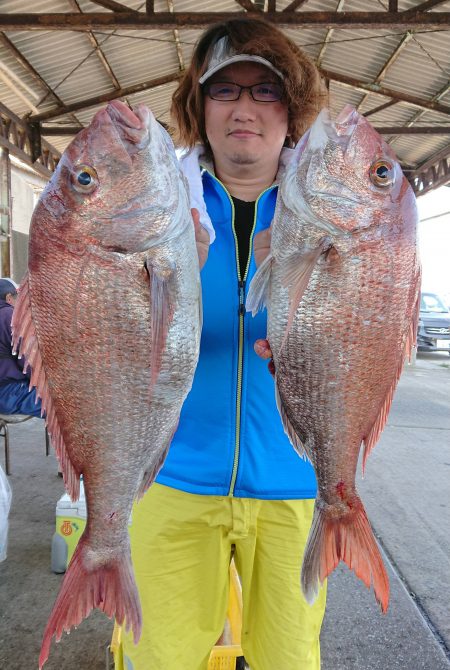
(181, 548)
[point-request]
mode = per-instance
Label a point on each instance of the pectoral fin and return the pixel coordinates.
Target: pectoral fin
(296, 275)
(161, 312)
(259, 287)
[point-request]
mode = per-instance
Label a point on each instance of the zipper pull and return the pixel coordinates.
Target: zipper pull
(241, 310)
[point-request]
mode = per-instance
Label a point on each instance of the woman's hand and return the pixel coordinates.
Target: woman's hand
(261, 245)
(261, 249)
(262, 348)
(201, 238)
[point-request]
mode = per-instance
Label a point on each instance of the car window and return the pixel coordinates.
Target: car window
(430, 302)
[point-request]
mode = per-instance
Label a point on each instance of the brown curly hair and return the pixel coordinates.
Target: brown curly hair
(304, 91)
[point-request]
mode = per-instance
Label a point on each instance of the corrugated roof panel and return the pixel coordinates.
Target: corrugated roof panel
(37, 6)
(188, 39)
(66, 60)
(414, 72)
(8, 96)
(137, 56)
(397, 115)
(415, 151)
(341, 96)
(87, 6)
(382, 5)
(431, 117)
(206, 6)
(158, 100)
(360, 54)
(140, 56)
(309, 39)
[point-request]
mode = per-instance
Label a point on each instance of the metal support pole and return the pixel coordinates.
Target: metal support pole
(5, 214)
(4, 433)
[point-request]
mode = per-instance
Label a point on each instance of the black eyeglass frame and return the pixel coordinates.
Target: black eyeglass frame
(207, 85)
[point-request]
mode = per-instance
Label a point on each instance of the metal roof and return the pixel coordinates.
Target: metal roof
(57, 62)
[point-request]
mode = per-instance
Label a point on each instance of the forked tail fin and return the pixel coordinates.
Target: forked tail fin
(348, 537)
(110, 587)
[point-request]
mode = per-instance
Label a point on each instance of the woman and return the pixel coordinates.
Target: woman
(232, 484)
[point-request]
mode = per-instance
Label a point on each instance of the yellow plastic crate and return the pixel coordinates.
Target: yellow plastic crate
(223, 656)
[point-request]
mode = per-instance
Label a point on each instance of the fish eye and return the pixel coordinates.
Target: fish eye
(84, 179)
(381, 173)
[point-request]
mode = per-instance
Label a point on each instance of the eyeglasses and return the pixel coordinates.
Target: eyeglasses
(227, 91)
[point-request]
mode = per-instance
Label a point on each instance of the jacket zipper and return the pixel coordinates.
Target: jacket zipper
(241, 313)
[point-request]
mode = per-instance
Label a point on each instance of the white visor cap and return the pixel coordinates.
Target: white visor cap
(224, 54)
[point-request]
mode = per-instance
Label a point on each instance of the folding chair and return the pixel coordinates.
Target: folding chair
(6, 419)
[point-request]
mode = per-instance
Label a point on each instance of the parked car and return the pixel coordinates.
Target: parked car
(434, 324)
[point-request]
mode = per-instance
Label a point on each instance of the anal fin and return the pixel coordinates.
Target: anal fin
(373, 435)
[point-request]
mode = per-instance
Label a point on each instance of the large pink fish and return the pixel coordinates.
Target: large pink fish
(109, 320)
(341, 285)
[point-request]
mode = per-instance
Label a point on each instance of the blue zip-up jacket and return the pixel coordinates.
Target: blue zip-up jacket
(230, 440)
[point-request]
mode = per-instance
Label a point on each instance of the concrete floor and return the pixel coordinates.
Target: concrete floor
(407, 495)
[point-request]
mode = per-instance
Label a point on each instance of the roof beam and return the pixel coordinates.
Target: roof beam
(328, 36)
(20, 58)
(294, 5)
(17, 137)
(16, 90)
(444, 153)
(424, 6)
(380, 108)
(101, 56)
(177, 41)
(434, 172)
(143, 21)
(247, 5)
(392, 58)
(153, 83)
(105, 97)
(398, 130)
(413, 130)
(418, 115)
(422, 103)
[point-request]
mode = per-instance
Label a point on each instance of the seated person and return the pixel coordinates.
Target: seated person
(15, 396)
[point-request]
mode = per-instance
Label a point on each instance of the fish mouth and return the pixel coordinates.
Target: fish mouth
(132, 126)
(341, 130)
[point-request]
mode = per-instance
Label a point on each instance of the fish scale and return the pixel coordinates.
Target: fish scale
(109, 319)
(341, 285)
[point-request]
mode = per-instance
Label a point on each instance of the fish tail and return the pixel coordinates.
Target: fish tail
(110, 587)
(348, 537)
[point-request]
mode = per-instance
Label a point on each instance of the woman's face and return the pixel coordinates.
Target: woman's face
(244, 131)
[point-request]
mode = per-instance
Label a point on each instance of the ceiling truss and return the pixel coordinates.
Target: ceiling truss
(24, 137)
(132, 20)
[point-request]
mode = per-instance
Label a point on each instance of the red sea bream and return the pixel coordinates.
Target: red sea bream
(341, 285)
(108, 318)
